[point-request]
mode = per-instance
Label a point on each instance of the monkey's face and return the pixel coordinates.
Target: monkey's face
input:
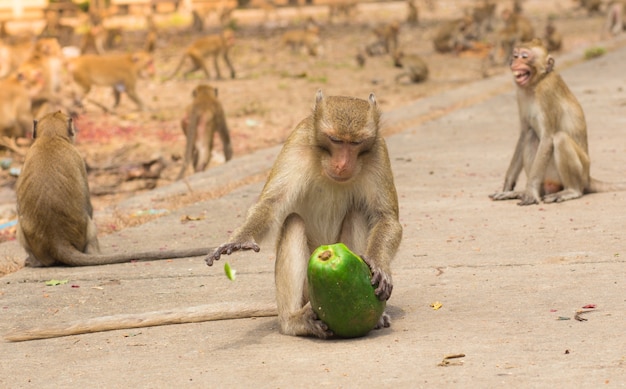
(522, 65)
(341, 162)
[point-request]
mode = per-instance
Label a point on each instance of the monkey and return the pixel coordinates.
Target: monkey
(152, 35)
(412, 16)
(517, 28)
(552, 146)
(203, 117)
(13, 55)
(591, 6)
(56, 29)
(341, 188)
(360, 57)
(347, 9)
(552, 38)
(386, 39)
(454, 35)
(332, 182)
(414, 67)
(16, 94)
(483, 16)
(211, 45)
(308, 38)
(55, 215)
(615, 22)
(119, 71)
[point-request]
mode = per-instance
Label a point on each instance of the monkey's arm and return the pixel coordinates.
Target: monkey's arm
(545, 150)
(382, 245)
(515, 166)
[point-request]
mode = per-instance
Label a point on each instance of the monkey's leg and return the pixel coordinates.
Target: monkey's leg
(572, 164)
(197, 63)
(217, 68)
(204, 144)
(292, 256)
(354, 233)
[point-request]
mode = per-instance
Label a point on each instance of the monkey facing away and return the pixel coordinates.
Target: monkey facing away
(203, 117)
(332, 182)
(55, 216)
(552, 145)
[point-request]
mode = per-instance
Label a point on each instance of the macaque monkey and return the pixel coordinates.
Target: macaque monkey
(215, 45)
(119, 71)
(16, 94)
(48, 59)
(202, 119)
(386, 39)
(517, 29)
(454, 35)
(151, 36)
(55, 216)
(483, 16)
(414, 66)
(552, 146)
(552, 38)
(13, 55)
(591, 6)
(332, 182)
(346, 9)
(308, 38)
(615, 21)
(412, 16)
(54, 28)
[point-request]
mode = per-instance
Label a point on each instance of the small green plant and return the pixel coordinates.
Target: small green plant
(594, 52)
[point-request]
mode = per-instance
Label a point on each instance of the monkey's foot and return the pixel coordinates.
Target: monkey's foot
(564, 195)
(506, 195)
(383, 322)
(304, 323)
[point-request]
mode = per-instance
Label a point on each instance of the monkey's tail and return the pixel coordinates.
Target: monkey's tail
(197, 314)
(72, 257)
(597, 186)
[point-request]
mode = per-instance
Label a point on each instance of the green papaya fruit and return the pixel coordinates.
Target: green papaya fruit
(341, 292)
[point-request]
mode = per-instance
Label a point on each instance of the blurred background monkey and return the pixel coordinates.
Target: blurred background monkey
(203, 117)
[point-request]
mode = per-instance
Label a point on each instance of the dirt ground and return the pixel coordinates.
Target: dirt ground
(275, 87)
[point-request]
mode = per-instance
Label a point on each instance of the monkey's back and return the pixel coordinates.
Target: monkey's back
(53, 204)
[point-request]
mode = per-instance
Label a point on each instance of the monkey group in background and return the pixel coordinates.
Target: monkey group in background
(202, 118)
(307, 38)
(552, 146)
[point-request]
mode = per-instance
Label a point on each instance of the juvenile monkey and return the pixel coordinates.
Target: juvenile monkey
(552, 146)
(552, 38)
(55, 216)
(215, 45)
(203, 117)
(332, 182)
(308, 38)
(414, 66)
(386, 39)
(454, 35)
(16, 94)
(119, 71)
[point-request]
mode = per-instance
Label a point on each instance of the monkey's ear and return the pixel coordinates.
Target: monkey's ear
(319, 96)
(372, 99)
(70, 128)
(34, 128)
(549, 64)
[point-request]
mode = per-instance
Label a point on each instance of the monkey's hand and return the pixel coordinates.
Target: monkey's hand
(228, 248)
(380, 279)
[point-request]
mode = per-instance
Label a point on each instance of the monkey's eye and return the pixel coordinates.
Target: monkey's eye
(356, 143)
(335, 140)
